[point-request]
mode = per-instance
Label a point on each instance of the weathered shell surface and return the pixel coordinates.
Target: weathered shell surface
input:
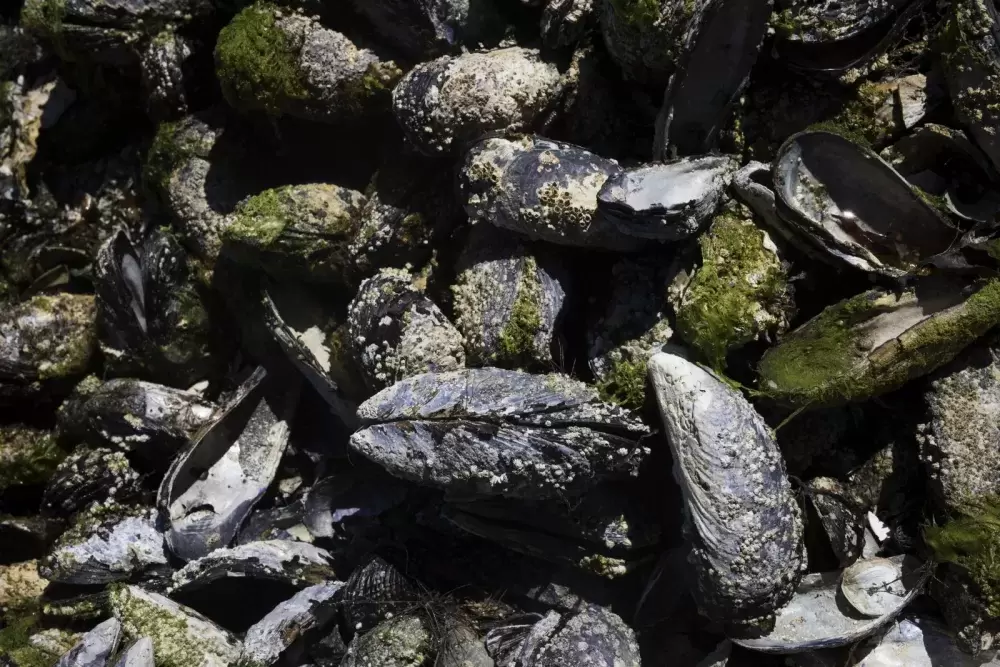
(295, 563)
(855, 207)
(666, 202)
(100, 550)
(139, 654)
(240, 450)
(814, 618)
(590, 637)
(647, 39)
(375, 591)
(960, 441)
(445, 103)
(402, 641)
(543, 189)
(873, 586)
(87, 476)
(396, 331)
(181, 637)
(742, 519)
(461, 646)
(273, 637)
(431, 428)
(915, 642)
(877, 341)
(843, 523)
(507, 303)
(96, 647)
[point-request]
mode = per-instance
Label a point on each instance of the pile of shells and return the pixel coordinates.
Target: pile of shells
(499, 333)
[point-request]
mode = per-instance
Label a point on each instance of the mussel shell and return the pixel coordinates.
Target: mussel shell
(815, 618)
(461, 646)
(666, 202)
(240, 450)
(395, 642)
(854, 207)
(873, 587)
(276, 523)
(914, 641)
(711, 73)
(375, 591)
(139, 654)
(275, 636)
(833, 36)
(87, 476)
(742, 519)
(181, 636)
(348, 497)
(96, 647)
(543, 189)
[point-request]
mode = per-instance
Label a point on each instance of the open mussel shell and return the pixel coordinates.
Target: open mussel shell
(666, 202)
(313, 341)
(181, 637)
(915, 641)
(550, 433)
(139, 654)
(877, 341)
(720, 49)
(833, 36)
(279, 635)
(743, 521)
(854, 207)
(212, 486)
(105, 545)
(873, 587)
(815, 617)
(96, 647)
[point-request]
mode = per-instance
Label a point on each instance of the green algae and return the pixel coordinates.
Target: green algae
(973, 543)
(257, 62)
(168, 151)
(43, 18)
(624, 384)
(516, 343)
(27, 456)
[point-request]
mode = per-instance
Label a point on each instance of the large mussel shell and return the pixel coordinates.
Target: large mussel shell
(375, 591)
(719, 53)
(667, 202)
(212, 486)
(877, 341)
(105, 546)
(854, 207)
(181, 637)
(833, 35)
(549, 434)
(313, 341)
(280, 635)
(543, 189)
(96, 647)
(87, 476)
(815, 618)
(152, 420)
(742, 517)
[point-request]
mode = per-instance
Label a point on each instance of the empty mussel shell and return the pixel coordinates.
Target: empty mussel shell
(873, 586)
(814, 618)
(548, 433)
(666, 202)
(212, 486)
(181, 637)
(853, 206)
(96, 647)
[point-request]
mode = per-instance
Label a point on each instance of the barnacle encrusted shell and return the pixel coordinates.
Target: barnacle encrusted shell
(181, 636)
(959, 443)
(275, 635)
(284, 62)
(647, 37)
(396, 331)
(543, 189)
(507, 303)
(88, 475)
(295, 563)
(877, 341)
(402, 641)
(738, 293)
(447, 102)
(743, 522)
(297, 232)
(549, 434)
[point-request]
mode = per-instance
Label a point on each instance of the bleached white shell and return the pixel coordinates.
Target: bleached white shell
(873, 587)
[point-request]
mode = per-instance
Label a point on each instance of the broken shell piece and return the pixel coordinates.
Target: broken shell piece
(814, 618)
(181, 637)
(105, 545)
(374, 592)
(874, 587)
(139, 654)
(402, 641)
(275, 636)
(666, 202)
(294, 563)
(96, 647)
(915, 642)
(212, 486)
(743, 521)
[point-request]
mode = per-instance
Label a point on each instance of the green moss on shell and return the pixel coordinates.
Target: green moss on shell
(637, 12)
(973, 543)
(739, 293)
(167, 153)
(624, 384)
(27, 456)
(825, 362)
(257, 62)
(516, 342)
(43, 18)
